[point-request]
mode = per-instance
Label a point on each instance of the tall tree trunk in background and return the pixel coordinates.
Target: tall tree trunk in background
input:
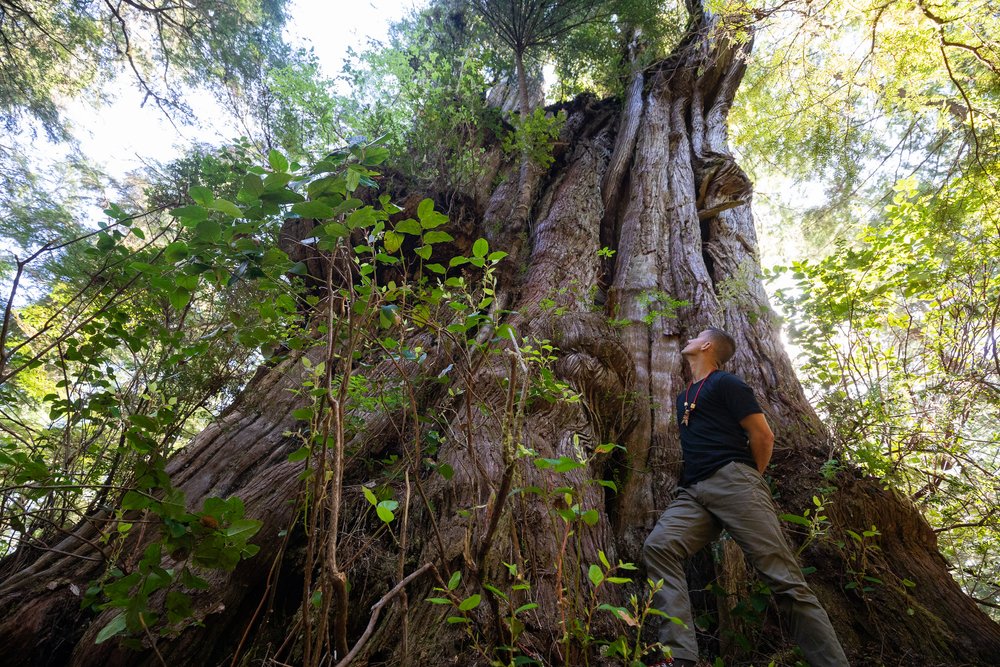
(653, 179)
(526, 179)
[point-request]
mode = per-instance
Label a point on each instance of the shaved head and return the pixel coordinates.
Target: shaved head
(723, 343)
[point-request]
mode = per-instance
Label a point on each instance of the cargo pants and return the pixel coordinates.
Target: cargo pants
(736, 498)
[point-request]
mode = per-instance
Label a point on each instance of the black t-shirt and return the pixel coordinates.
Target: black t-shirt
(713, 436)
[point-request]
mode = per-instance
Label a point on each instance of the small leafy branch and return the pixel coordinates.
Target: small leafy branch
(813, 520)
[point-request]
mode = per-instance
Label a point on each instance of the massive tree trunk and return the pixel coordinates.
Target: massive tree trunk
(652, 178)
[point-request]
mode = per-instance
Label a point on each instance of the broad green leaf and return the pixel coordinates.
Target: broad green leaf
(175, 252)
(313, 209)
(374, 156)
(409, 226)
(437, 237)
(180, 298)
(201, 195)
(480, 248)
(595, 575)
(425, 208)
(144, 421)
(470, 602)
(363, 217)
(115, 626)
(384, 513)
(393, 241)
(243, 529)
(794, 518)
(227, 207)
(299, 454)
(454, 580)
(209, 230)
(277, 161)
(190, 214)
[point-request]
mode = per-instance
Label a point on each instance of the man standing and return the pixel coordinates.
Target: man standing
(726, 443)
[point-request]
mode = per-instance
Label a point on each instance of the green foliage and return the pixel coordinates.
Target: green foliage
(599, 56)
(65, 47)
(897, 333)
(158, 316)
(841, 101)
(423, 92)
(535, 136)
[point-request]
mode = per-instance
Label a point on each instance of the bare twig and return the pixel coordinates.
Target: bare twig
(377, 609)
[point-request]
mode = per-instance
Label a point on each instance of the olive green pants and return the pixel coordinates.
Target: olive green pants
(736, 498)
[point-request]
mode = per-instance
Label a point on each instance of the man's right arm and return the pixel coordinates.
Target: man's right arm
(761, 439)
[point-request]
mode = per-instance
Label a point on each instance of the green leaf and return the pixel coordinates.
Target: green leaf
(425, 208)
(497, 256)
(115, 626)
(180, 298)
(192, 213)
(175, 252)
(313, 209)
(387, 315)
(409, 226)
(277, 161)
(423, 251)
(243, 529)
(437, 237)
(393, 241)
(374, 155)
(595, 575)
(363, 217)
(369, 495)
(209, 230)
(525, 607)
(353, 179)
(201, 195)
(299, 454)
(590, 517)
(446, 471)
(384, 512)
(438, 600)
(604, 560)
(454, 581)
(480, 248)
(470, 602)
(794, 518)
(227, 207)
(144, 421)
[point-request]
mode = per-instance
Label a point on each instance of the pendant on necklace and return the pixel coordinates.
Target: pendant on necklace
(687, 414)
